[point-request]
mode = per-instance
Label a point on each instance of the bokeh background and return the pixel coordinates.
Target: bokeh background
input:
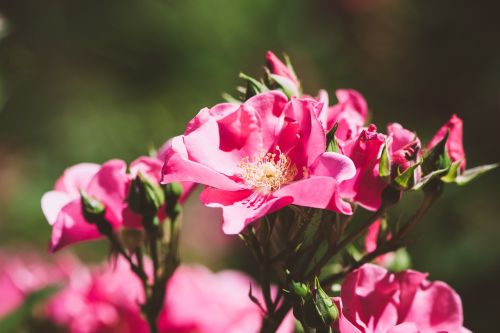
(90, 80)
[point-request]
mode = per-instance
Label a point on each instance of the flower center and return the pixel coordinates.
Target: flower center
(267, 172)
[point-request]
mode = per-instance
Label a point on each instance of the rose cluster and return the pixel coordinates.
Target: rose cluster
(288, 171)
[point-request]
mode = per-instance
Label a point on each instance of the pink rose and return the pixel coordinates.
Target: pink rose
(374, 300)
(258, 157)
(371, 244)
(454, 144)
(109, 184)
(366, 187)
(62, 206)
(201, 301)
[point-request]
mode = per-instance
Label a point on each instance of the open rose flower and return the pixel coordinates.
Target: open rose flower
(258, 157)
(201, 301)
(454, 145)
(373, 300)
(109, 183)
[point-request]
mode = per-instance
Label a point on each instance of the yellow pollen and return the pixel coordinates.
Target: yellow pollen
(267, 172)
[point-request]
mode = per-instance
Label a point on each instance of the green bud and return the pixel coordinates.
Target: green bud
(173, 192)
(300, 289)
(320, 311)
(93, 210)
(145, 197)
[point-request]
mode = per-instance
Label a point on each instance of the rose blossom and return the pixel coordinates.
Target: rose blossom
(201, 301)
(373, 300)
(258, 157)
(108, 183)
(454, 145)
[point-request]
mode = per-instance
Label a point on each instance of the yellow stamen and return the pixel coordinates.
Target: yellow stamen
(267, 172)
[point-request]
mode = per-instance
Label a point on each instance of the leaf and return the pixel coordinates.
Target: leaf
(471, 174)
(384, 169)
(14, 320)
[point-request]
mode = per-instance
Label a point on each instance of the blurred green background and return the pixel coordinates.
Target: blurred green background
(88, 80)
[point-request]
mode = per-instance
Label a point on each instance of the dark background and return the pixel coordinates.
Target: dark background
(85, 80)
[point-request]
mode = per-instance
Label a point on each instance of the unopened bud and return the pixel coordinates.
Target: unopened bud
(173, 192)
(93, 210)
(144, 197)
(320, 311)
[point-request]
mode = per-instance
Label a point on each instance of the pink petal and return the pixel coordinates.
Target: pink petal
(109, 185)
(337, 166)
(240, 208)
(76, 177)
(148, 166)
(52, 203)
(276, 66)
(454, 145)
(70, 227)
(405, 328)
(436, 307)
(400, 136)
(178, 167)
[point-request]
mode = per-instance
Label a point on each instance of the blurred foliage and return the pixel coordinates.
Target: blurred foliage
(89, 80)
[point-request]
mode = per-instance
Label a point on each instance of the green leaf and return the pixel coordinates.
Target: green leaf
(471, 174)
(406, 179)
(14, 320)
(384, 169)
(452, 173)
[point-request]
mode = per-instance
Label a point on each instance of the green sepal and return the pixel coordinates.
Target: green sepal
(452, 174)
(92, 209)
(406, 180)
(384, 168)
(331, 143)
(437, 158)
(230, 99)
(254, 87)
(471, 174)
(427, 178)
(285, 84)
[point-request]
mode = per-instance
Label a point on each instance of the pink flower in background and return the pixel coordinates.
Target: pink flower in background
(373, 300)
(277, 67)
(22, 273)
(366, 187)
(258, 157)
(99, 300)
(62, 206)
(205, 302)
(349, 113)
(454, 144)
